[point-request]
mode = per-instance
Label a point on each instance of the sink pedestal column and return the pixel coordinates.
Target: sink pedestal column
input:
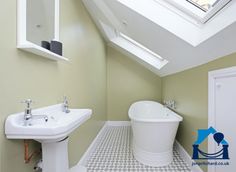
(55, 156)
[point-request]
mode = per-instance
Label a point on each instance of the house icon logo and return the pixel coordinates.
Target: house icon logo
(218, 138)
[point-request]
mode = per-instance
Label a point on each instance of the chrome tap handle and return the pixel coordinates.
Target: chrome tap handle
(65, 100)
(65, 105)
(170, 104)
(28, 102)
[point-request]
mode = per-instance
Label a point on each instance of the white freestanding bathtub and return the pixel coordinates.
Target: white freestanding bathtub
(154, 129)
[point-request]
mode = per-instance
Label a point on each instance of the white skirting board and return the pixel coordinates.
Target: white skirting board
(80, 167)
(186, 157)
(83, 161)
(118, 123)
(91, 148)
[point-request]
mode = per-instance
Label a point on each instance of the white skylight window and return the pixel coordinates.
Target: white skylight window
(139, 52)
(201, 10)
(143, 55)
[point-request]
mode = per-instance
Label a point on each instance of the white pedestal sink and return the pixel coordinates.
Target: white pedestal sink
(52, 134)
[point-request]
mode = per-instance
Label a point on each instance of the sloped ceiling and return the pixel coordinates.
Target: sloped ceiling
(182, 51)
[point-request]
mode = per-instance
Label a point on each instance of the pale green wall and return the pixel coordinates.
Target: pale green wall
(107, 85)
(190, 90)
(24, 75)
(127, 82)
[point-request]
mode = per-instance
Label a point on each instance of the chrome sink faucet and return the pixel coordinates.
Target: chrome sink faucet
(28, 116)
(28, 112)
(65, 105)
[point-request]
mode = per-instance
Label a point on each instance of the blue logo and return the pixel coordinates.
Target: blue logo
(219, 139)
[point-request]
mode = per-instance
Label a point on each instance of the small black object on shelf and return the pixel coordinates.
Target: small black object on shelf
(56, 47)
(45, 44)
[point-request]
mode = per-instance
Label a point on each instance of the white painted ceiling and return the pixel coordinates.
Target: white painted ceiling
(182, 41)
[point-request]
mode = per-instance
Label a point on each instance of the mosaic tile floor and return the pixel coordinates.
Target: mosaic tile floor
(114, 154)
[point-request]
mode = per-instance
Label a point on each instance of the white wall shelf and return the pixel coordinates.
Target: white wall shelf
(35, 49)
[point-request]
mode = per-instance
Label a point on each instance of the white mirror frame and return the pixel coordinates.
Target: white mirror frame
(24, 44)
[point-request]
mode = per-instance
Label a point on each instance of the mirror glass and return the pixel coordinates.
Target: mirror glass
(40, 21)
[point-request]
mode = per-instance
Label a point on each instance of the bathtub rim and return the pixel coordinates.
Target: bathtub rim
(155, 120)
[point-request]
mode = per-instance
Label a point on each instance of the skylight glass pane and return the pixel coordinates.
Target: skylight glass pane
(204, 5)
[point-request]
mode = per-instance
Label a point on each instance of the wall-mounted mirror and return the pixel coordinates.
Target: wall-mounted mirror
(38, 28)
(40, 15)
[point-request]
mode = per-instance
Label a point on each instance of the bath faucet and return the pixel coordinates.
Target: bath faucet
(65, 105)
(28, 116)
(170, 104)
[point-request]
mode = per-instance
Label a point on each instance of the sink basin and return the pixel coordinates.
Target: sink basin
(57, 126)
(51, 127)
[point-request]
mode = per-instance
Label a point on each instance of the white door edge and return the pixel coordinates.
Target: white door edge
(212, 75)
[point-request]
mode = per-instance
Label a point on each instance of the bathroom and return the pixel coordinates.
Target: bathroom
(95, 73)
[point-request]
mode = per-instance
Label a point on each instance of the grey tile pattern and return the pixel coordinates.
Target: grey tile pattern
(113, 153)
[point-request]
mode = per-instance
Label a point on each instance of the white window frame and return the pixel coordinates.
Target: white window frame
(143, 54)
(127, 38)
(195, 12)
(200, 7)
